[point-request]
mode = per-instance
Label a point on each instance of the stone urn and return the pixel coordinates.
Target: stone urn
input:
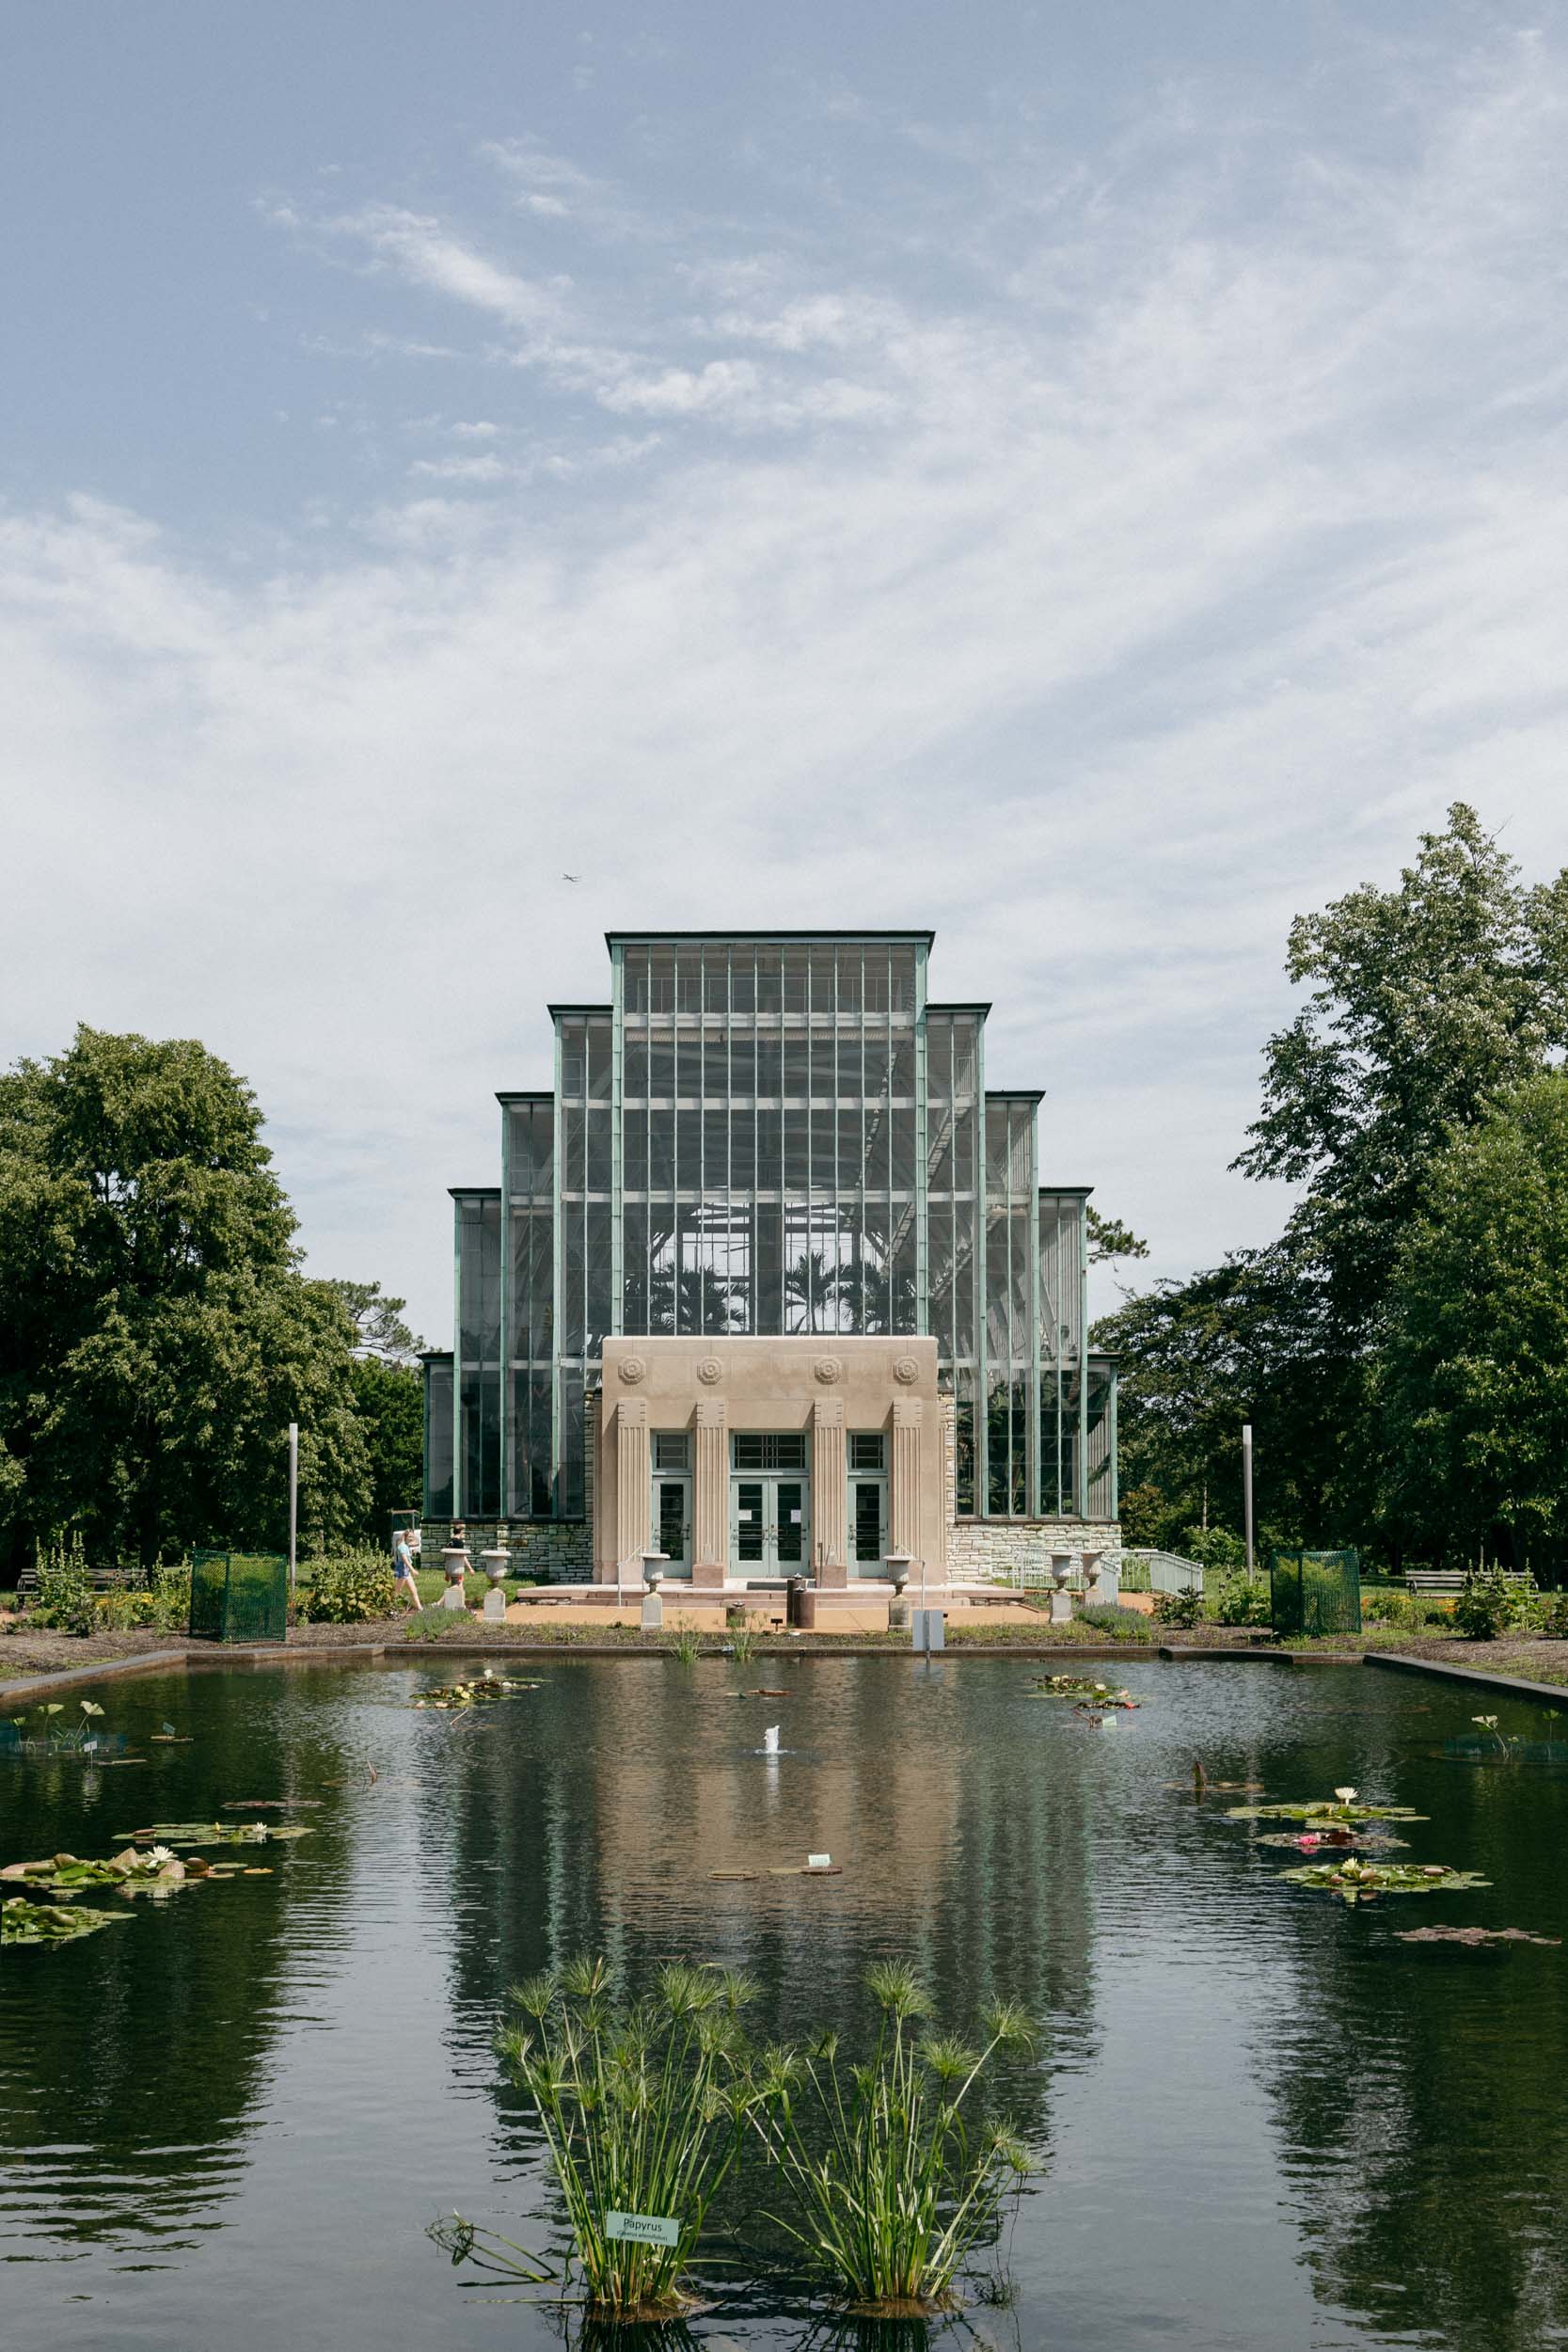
(455, 1560)
(653, 1569)
(497, 1563)
(1061, 1600)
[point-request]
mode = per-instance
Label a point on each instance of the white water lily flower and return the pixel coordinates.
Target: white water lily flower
(1344, 1795)
(161, 1853)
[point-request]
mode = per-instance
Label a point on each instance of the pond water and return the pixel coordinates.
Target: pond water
(1261, 2119)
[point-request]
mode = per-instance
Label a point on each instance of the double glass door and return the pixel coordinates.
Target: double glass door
(770, 1520)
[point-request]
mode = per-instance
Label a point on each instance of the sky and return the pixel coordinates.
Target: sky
(1090, 481)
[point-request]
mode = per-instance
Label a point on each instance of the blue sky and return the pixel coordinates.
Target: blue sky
(1087, 479)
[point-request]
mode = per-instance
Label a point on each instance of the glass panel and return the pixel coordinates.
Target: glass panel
(869, 1520)
(998, 1431)
(671, 1449)
(791, 1496)
(601, 1038)
(758, 1449)
(661, 981)
(634, 985)
(672, 1517)
(437, 1439)
(964, 1446)
(748, 1513)
(867, 1450)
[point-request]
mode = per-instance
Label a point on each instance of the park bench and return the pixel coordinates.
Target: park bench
(102, 1581)
(1453, 1580)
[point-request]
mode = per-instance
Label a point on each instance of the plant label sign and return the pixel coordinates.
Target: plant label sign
(642, 2229)
(819, 1862)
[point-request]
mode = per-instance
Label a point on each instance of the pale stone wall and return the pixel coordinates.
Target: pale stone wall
(987, 1547)
(822, 1384)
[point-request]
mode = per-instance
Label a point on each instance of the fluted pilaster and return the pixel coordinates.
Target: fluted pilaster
(632, 1484)
(712, 1496)
(829, 1493)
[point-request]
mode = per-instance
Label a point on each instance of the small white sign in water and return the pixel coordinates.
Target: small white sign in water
(819, 1862)
(642, 2229)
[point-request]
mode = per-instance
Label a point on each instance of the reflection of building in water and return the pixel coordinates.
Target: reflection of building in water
(765, 1158)
(599, 1832)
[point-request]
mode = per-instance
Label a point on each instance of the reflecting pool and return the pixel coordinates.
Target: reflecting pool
(1261, 2119)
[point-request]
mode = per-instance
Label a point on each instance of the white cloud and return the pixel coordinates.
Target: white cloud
(1157, 581)
(430, 256)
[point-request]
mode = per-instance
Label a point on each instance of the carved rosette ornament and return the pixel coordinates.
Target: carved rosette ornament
(631, 1370)
(829, 1370)
(905, 1371)
(710, 1372)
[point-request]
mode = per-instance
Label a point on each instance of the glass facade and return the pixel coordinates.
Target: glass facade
(771, 1133)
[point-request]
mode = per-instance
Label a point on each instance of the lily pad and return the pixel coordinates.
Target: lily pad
(134, 1871)
(479, 1691)
(1324, 1811)
(214, 1832)
(1312, 1841)
(22, 1922)
(1475, 1936)
(1084, 1688)
(1359, 1881)
(269, 1804)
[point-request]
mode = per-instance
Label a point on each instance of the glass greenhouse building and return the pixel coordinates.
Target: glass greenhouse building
(771, 1136)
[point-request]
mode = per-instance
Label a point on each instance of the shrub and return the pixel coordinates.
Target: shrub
(65, 1599)
(118, 1610)
(1487, 1606)
(1213, 1548)
(1554, 1616)
(1123, 1625)
(1181, 1609)
(894, 2182)
(348, 1588)
(1244, 1600)
(170, 1587)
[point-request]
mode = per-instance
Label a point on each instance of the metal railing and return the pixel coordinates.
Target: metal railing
(1136, 1571)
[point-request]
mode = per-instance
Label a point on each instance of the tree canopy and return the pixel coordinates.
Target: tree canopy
(156, 1333)
(1431, 1005)
(1474, 1384)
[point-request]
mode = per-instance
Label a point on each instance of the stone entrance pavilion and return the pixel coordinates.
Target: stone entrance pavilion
(770, 1287)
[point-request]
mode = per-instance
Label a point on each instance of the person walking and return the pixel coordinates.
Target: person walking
(402, 1570)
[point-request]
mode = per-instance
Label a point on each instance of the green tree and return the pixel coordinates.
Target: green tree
(1427, 1001)
(389, 1400)
(379, 1327)
(156, 1334)
(1110, 1239)
(1474, 1385)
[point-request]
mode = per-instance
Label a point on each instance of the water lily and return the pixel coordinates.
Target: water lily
(1309, 1843)
(1346, 1796)
(1488, 1723)
(162, 1853)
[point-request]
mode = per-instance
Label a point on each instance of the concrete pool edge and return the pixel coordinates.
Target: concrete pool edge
(219, 1659)
(1478, 1676)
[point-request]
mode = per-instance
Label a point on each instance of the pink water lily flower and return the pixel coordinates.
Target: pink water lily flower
(1309, 1841)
